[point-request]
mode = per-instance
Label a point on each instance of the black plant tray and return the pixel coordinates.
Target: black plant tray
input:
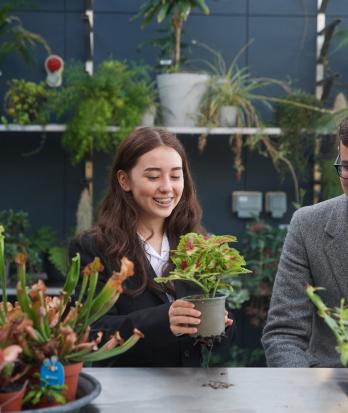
(87, 390)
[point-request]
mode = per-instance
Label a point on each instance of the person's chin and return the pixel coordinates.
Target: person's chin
(345, 188)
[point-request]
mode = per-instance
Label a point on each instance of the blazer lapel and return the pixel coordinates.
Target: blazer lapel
(152, 275)
(337, 243)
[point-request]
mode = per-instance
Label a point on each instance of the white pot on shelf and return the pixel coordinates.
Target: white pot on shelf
(148, 118)
(180, 97)
(228, 116)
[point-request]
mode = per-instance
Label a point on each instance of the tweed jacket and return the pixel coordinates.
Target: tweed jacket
(148, 312)
(315, 252)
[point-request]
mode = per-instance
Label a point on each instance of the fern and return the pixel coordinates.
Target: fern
(58, 256)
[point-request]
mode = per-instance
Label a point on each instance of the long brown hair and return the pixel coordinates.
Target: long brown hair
(116, 227)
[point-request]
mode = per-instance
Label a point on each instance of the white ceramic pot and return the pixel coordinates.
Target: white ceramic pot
(180, 96)
(228, 116)
(148, 118)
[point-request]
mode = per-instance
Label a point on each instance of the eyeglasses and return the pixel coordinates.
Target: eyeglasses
(342, 170)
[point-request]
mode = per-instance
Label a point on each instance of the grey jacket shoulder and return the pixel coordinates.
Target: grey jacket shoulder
(322, 208)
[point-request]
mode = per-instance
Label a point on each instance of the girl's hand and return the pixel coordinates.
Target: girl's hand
(181, 315)
(228, 321)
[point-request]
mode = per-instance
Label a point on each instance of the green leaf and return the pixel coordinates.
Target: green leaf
(58, 256)
(163, 13)
(202, 5)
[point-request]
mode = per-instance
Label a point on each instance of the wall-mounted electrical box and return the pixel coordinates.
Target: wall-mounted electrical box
(247, 204)
(276, 203)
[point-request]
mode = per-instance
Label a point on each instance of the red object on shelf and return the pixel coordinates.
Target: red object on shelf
(54, 64)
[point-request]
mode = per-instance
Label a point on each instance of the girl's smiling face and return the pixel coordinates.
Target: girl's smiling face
(156, 182)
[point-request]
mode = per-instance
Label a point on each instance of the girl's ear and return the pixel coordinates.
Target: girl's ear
(123, 180)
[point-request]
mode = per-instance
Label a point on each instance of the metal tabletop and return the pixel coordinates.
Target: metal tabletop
(237, 390)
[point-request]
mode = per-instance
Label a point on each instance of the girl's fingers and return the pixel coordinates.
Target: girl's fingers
(183, 330)
(184, 320)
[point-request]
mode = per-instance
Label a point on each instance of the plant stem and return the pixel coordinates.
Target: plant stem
(3, 276)
(177, 23)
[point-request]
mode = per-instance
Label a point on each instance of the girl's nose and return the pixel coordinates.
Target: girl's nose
(166, 185)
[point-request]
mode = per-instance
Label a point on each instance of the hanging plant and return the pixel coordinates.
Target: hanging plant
(297, 122)
(117, 94)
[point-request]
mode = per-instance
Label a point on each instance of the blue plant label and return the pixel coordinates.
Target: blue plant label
(51, 372)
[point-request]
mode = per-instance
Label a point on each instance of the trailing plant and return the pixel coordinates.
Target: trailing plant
(117, 94)
(207, 261)
(262, 245)
(27, 102)
(178, 11)
(297, 124)
(336, 319)
(14, 37)
(230, 85)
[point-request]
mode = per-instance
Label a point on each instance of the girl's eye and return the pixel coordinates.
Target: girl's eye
(176, 177)
(153, 178)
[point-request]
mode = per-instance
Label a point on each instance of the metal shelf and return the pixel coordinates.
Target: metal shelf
(11, 291)
(179, 130)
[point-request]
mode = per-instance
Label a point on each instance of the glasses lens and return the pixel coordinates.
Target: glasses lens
(342, 170)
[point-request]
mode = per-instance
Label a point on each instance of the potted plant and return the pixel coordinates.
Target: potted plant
(56, 327)
(231, 93)
(336, 319)
(180, 92)
(207, 262)
(117, 94)
(12, 389)
(27, 102)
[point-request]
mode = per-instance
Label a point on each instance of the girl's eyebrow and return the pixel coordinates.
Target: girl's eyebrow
(177, 168)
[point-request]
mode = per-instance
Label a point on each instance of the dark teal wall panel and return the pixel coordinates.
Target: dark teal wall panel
(281, 7)
(284, 33)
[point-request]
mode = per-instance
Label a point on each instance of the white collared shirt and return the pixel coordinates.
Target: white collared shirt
(158, 261)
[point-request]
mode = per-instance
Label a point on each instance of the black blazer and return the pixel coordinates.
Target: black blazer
(148, 312)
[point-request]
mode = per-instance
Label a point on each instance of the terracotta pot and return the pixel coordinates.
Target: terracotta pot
(71, 378)
(12, 401)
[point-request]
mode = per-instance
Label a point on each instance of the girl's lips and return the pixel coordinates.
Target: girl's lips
(165, 202)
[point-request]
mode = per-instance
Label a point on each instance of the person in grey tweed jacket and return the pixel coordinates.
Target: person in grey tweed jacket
(315, 252)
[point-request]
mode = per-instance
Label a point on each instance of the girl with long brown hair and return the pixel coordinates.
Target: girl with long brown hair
(150, 202)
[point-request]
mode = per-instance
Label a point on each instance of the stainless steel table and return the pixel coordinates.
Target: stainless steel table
(237, 390)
